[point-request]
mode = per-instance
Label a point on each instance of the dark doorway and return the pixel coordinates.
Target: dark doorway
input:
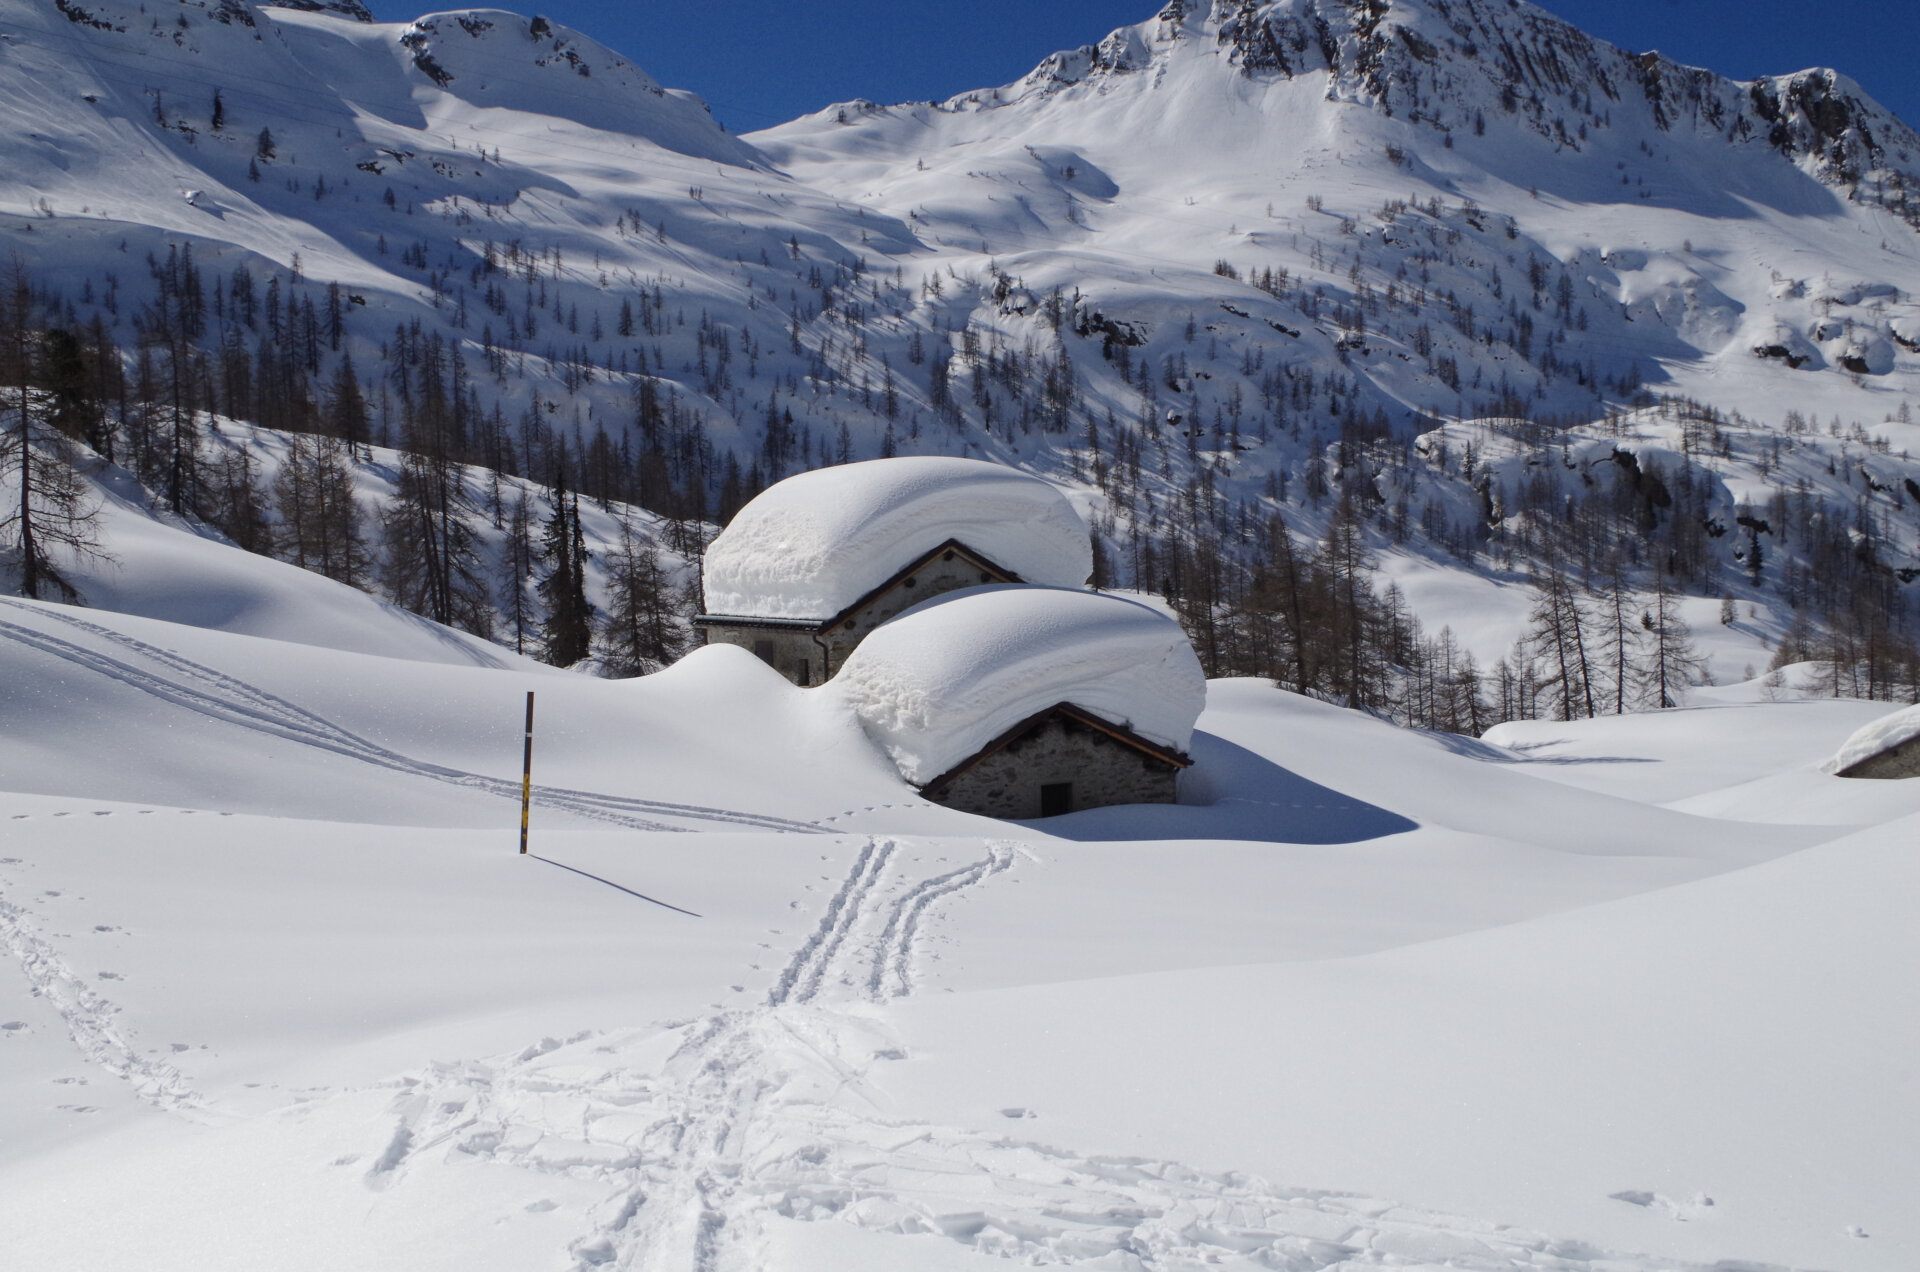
(1056, 798)
(763, 650)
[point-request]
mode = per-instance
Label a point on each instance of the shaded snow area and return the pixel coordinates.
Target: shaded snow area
(1632, 994)
(942, 680)
(817, 542)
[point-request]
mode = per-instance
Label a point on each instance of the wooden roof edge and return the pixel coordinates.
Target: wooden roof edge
(751, 620)
(919, 563)
(1121, 733)
(1118, 732)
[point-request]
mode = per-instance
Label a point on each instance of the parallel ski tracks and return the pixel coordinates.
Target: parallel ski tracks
(195, 687)
(685, 1146)
(766, 1111)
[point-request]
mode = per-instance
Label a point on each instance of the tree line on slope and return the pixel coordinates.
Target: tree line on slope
(1313, 618)
(66, 394)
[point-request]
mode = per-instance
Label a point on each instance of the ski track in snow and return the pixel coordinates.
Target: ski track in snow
(766, 1111)
(195, 687)
(91, 1020)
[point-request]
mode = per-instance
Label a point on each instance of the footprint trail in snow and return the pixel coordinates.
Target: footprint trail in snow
(763, 1115)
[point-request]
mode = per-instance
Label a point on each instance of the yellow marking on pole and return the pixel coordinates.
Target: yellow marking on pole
(526, 775)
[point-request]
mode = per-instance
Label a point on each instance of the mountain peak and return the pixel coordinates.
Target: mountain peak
(1462, 67)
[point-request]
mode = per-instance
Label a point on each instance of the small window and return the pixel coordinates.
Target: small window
(912, 582)
(985, 577)
(947, 555)
(805, 672)
(763, 650)
(1056, 798)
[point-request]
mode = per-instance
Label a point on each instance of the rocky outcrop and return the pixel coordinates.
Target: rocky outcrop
(343, 8)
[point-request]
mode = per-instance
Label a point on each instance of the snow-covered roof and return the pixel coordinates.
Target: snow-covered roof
(1883, 734)
(812, 545)
(936, 684)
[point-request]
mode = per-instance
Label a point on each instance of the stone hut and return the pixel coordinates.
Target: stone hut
(807, 569)
(1022, 702)
(1887, 748)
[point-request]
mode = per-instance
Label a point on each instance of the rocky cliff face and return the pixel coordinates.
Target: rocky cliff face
(340, 8)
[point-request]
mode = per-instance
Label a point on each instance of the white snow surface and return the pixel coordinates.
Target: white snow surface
(942, 680)
(1881, 735)
(278, 992)
(812, 545)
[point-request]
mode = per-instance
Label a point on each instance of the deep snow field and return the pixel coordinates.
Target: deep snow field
(1630, 994)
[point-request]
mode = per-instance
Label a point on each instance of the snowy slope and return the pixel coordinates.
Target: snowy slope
(1374, 996)
(155, 565)
(1250, 246)
(1685, 209)
(159, 568)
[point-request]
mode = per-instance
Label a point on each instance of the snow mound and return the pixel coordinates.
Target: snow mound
(1883, 734)
(942, 680)
(812, 545)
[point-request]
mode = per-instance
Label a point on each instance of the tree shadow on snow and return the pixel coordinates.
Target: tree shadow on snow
(1476, 749)
(1233, 793)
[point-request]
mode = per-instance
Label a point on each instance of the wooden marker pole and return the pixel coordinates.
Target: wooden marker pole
(526, 776)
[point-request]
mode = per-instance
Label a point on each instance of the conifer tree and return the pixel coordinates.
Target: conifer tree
(1672, 661)
(1558, 637)
(1617, 638)
(638, 634)
(517, 563)
(319, 527)
(346, 414)
(47, 507)
(431, 566)
(567, 633)
(234, 503)
(1348, 567)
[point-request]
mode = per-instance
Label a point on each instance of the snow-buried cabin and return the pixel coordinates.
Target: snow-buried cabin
(1887, 748)
(809, 567)
(940, 599)
(1028, 701)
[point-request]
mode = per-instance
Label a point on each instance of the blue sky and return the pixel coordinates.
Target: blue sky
(760, 62)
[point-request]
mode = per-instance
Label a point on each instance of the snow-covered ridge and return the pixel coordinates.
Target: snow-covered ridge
(942, 680)
(819, 541)
(1450, 65)
(1419, 58)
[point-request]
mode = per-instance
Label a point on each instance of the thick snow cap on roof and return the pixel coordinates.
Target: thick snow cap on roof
(1883, 734)
(812, 545)
(942, 680)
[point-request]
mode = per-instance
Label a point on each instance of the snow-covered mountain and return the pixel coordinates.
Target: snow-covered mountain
(1742, 243)
(1441, 280)
(1233, 255)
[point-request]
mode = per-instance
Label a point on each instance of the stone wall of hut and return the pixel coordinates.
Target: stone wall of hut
(1101, 771)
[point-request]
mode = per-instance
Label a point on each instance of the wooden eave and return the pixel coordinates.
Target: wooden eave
(745, 620)
(973, 558)
(1118, 732)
